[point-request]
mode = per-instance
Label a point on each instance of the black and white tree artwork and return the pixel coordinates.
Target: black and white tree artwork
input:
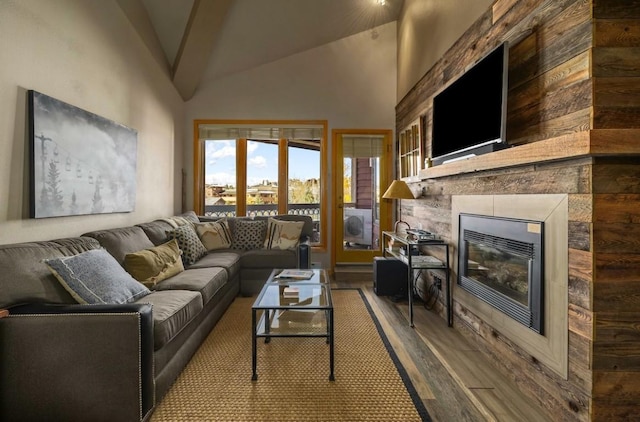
(81, 163)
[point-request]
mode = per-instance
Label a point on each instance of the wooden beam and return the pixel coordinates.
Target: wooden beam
(203, 28)
(137, 14)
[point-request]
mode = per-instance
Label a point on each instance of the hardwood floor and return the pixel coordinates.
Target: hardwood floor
(455, 381)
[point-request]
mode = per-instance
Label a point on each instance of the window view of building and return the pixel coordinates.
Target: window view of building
(273, 177)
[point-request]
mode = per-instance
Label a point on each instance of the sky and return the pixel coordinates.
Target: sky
(262, 163)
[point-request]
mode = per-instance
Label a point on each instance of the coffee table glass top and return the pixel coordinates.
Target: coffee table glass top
(296, 305)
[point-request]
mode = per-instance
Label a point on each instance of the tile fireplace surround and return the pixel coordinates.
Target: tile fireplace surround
(552, 348)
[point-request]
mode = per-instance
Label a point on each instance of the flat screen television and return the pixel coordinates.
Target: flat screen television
(469, 115)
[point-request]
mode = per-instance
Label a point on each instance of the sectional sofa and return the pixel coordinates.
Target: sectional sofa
(113, 359)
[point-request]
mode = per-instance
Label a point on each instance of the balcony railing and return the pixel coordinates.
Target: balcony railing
(312, 210)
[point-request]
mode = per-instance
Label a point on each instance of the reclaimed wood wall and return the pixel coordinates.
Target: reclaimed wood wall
(616, 213)
(574, 80)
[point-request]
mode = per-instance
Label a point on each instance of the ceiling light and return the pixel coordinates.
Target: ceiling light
(381, 2)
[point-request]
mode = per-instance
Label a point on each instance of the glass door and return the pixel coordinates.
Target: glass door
(361, 164)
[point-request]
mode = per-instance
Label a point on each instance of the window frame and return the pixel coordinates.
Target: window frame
(241, 171)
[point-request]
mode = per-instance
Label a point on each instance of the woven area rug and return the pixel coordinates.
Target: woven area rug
(293, 374)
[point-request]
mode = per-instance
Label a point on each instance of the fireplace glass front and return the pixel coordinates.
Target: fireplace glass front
(501, 262)
(500, 270)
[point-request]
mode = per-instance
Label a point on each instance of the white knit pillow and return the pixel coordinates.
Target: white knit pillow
(214, 235)
(283, 234)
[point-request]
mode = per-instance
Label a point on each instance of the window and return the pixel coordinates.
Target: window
(262, 178)
(410, 150)
(261, 169)
(220, 178)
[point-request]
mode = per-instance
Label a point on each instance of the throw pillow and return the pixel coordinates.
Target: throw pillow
(283, 234)
(214, 235)
(249, 234)
(150, 266)
(189, 243)
(95, 277)
(177, 221)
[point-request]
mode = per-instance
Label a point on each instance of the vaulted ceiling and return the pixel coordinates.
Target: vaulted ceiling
(204, 40)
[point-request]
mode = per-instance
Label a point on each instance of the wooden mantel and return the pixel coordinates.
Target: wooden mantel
(589, 143)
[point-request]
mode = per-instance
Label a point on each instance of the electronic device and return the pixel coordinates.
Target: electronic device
(389, 277)
(420, 235)
(469, 115)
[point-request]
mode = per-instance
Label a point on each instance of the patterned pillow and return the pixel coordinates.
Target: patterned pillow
(283, 234)
(150, 266)
(189, 243)
(249, 234)
(95, 277)
(214, 235)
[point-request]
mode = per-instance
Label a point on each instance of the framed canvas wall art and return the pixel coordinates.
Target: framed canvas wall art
(80, 163)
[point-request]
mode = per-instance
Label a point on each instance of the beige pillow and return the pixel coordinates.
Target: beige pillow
(214, 235)
(283, 234)
(150, 266)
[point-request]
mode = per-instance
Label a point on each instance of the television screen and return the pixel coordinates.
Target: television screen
(469, 115)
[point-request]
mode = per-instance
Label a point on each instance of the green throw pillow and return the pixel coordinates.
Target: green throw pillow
(150, 266)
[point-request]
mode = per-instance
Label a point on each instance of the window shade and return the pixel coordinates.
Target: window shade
(263, 132)
(365, 146)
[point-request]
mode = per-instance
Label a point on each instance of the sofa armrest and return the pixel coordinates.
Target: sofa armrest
(304, 253)
(77, 362)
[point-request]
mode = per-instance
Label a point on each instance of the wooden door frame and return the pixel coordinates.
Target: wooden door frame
(386, 176)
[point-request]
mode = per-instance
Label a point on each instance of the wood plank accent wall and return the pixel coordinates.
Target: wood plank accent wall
(573, 117)
(616, 215)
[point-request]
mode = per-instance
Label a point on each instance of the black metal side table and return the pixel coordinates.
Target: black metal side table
(410, 246)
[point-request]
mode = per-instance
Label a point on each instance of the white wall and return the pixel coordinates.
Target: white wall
(426, 30)
(351, 83)
(85, 53)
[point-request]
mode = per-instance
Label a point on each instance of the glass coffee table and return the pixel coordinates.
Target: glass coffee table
(293, 308)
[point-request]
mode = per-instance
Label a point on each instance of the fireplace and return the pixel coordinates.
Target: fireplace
(500, 261)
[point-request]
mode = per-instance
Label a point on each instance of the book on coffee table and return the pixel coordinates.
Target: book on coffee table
(290, 292)
(295, 274)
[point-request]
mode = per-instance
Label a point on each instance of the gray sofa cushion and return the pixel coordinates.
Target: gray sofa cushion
(172, 311)
(24, 278)
(252, 280)
(230, 260)
(206, 281)
(156, 231)
(121, 241)
(269, 258)
(190, 215)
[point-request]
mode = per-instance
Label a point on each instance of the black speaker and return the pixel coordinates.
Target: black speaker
(389, 276)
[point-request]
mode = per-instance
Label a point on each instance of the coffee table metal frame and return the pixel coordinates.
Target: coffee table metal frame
(271, 305)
